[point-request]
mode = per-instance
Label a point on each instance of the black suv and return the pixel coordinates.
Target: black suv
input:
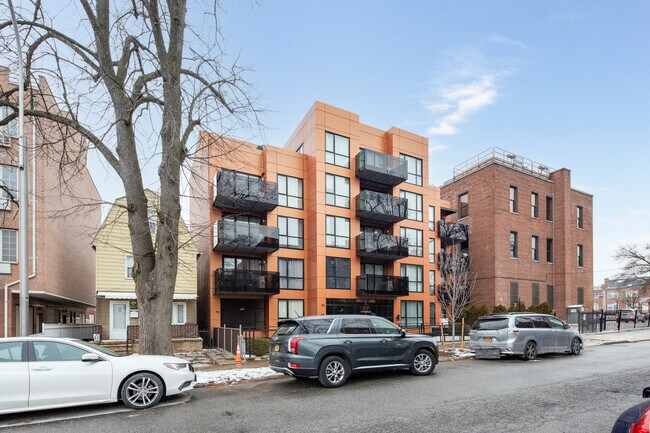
(333, 347)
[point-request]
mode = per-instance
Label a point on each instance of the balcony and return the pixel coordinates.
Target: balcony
(246, 282)
(382, 247)
(379, 168)
(383, 208)
(382, 285)
(242, 237)
(243, 193)
(452, 233)
(453, 263)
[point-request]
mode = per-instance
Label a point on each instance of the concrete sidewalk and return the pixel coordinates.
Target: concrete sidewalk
(615, 337)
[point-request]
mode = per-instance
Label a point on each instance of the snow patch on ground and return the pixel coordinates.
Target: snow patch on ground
(235, 375)
(458, 353)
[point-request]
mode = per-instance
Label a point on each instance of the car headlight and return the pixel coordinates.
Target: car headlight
(176, 365)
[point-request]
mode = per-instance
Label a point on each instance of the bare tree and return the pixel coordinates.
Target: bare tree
(635, 260)
(134, 80)
(456, 286)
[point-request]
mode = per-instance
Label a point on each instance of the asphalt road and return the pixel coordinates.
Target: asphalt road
(553, 394)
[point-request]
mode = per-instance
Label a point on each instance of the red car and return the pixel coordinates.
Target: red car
(636, 419)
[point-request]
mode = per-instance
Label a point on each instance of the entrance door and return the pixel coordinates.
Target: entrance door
(119, 316)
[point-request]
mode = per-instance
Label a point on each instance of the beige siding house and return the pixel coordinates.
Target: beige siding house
(117, 305)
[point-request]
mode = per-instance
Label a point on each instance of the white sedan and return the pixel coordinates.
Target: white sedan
(45, 373)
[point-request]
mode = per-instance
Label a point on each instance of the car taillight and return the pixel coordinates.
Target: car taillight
(293, 344)
(643, 424)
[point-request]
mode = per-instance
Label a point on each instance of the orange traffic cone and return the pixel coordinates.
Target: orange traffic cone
(238, 354)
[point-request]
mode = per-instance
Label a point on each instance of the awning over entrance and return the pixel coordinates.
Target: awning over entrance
(131, 295)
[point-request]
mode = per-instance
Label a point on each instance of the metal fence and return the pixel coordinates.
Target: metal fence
(610, 320)
(227, 339)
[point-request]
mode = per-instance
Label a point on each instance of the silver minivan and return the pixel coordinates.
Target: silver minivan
(524, 334)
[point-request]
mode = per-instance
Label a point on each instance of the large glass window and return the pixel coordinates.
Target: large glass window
(432, 251)
(414, 237)
(337, 232)
(513, 199)
(10, 129)
(337, 273)
(291, 232)
(513, 245)
(514, 293)
(291, 274)
(534, 248)
(337, 190)
(534, 205)
(9, 183)
(290, 308)
(290, 192)
(549, 208)
(8, 245)
(580, 251)
(414, 274)
(412, 314)
(432, 282)
(414, 205)
(463, 205)
(414, 169)
(549, 250)
(579, 215)
(432, 218)
(337, 150)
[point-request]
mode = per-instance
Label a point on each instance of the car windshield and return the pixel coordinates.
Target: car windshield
(98, 348)
(490, 324)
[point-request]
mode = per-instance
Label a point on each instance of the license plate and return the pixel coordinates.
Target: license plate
(488, 339)
(276, 348)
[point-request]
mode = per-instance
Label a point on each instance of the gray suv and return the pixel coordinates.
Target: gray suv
(333, 347)
(525, 334)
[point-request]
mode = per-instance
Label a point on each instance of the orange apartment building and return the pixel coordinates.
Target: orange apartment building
(531, 233)
(61, 225)
(340, 220)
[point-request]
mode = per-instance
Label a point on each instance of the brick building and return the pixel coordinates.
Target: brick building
(530, 232)
(622, 293)
(61, 222)
(340, 220)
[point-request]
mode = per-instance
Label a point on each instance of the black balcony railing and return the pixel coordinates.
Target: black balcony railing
(246, 282)
(379, 207)
(382, 247)
(243, 237)
(382, 285)
(244, 193)
(453, 263)
(380, 168)
(452, 233)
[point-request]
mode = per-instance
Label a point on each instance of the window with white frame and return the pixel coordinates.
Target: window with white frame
(596, 306)
(290, 308)
(337, 150)
(9, 245)
(414, 205)
(179, 316)
(128, 267)
(337, 190)
(290, 191)
(414, 169)
(337, 232)
(10, 129)
(8, 186)
(612, 295)
(291, 274)
(613, 306)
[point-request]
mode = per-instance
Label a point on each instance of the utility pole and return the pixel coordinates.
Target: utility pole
(23, 259)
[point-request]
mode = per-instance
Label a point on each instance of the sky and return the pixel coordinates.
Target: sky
(564, 83)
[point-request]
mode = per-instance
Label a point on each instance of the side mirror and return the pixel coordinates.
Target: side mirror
(90, 357)
(567, 326)
(402, 333)
(646, 392)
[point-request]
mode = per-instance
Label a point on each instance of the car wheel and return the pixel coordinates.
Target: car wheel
(334, 372)
(575, 346)
(141, 391)
(530, 351)
(422, 363)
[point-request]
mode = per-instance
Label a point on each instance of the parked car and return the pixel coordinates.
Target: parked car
(46, 373)
(629, 315)
(525, 334)
(333, 347)
(636, 419)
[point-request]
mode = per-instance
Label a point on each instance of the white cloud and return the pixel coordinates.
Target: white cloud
(502, 40)
(437, 147)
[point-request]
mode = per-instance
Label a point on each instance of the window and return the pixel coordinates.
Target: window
(535, 294)
(432, 282)
(579, 215)
(152, 216)
(9, 245)
(534, 248)
(53, 351)
(613, 306)
(128, 267)
(432, 251)
(11, 352)
(413, 169)
(290, 309)
(463, 205)
(513, 245)
(10, 129)
(549, 208)
(513, 199)
(514, 293)
(291, 232)
(337, 232)
(290, 191)
(414, 205)
(355, 326)
(581, 295)
(412, 316)
(383, 327)
(432, 312)
(540, 322)
(550, 295)
(596, 306)
(179, 311)
(337, 191)
(414, 274)
(580, 250)
(414, 237)
(337, 273)
(9, 182)
(372, 269)
(549, 250)
(291, 274)
(337, 150)
(534, 198)
(432, 218)
(612, 295)
(555, 323)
